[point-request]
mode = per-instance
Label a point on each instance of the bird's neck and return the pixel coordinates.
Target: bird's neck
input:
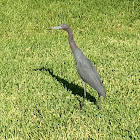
(71, 40)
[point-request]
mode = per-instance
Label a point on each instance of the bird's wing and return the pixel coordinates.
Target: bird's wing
(95, 71)
(89, 74)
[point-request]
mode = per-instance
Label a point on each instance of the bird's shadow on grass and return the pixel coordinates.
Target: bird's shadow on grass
(76, 90)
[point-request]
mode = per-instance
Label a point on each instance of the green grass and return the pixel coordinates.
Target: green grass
(44, 104)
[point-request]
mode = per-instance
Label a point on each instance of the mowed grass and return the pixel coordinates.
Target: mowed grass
(40, 90)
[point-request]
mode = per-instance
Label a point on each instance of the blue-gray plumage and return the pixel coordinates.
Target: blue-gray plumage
(85, 68)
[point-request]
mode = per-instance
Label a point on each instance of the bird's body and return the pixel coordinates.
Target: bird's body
(85, 68)
(88, 72)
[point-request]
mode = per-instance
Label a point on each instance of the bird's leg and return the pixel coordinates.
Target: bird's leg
(84, 94)
(99, 104)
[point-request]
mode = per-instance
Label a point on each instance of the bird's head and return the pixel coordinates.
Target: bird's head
(61, 27)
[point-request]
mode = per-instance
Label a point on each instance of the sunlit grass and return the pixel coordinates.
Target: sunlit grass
(40, 90)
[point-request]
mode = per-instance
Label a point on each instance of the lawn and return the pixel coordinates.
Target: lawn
(40, 90)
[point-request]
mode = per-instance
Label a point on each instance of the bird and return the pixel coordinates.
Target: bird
(85, 68)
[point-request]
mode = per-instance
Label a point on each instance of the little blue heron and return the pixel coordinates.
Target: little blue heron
(85, 68)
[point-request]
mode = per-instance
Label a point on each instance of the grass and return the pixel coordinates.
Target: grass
(40, 90)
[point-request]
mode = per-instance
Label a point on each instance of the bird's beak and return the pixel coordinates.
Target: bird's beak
(55, 28)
